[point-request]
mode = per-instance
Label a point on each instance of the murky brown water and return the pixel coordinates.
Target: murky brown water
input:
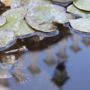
(58, 63)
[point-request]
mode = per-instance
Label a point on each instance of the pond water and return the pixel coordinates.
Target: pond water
(61, 64)
(58, 63)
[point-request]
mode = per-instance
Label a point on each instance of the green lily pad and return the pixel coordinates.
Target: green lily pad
(40, 1)
(15, 14)
(82, 4)
(19, 3)
(20, 28)
(63, 17)
(72, 9)
(6, 37)
(82, 24)
(41, 17)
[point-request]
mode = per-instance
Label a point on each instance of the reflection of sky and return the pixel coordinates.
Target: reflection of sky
(77, 67)
(39, 82)
(4, 88)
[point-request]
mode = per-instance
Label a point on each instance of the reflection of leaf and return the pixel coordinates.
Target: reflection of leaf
(19, 77)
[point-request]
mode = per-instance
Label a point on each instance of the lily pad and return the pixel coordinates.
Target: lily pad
(72, 9)
(40, 1)
(20, 28)
(44, 1)
(63, 17)
(41, 17)
(6, 39)
(2, 20)
(82, 24)
(19, 3)
(83, 5)
(15, 14)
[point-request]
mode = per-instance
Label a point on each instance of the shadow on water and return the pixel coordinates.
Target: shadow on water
(32, 44)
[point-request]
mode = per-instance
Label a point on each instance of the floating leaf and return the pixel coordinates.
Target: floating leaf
(20, 28)
(83, 5)
(81, 24)
(72, 9)
(41, 17)
(15, 14)
(6, 37)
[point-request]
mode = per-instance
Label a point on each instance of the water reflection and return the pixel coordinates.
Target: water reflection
(18, 76)
(75, 43)
(32, 59)
(34, 45)
(8, 62)
(4, 88)
(50, 57)
(33, 67)
(60, 76)
(86, 41)
(4, 82)
(19, 67)
(62, 54)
